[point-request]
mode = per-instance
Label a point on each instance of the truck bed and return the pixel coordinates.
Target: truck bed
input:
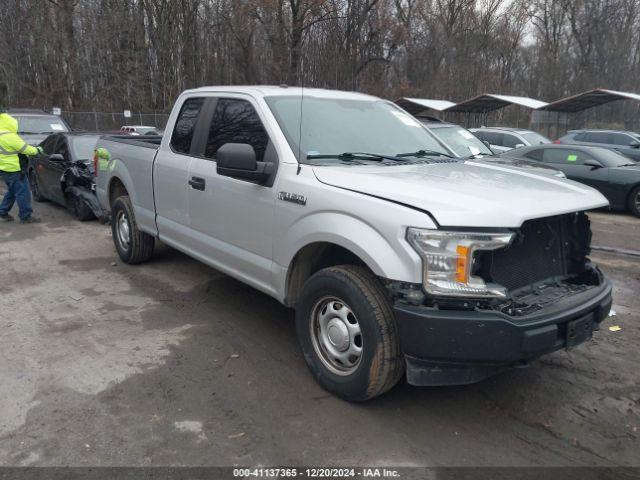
(131, 161)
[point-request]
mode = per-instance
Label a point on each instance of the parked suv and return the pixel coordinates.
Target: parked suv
(396, 257)
(36, 125)
(503, 139)
(627, 143)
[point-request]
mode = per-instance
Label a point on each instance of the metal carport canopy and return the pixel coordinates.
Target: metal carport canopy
(589, 99)
(489, 102)
(416, 106)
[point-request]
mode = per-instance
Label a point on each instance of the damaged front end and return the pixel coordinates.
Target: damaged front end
(545, 295)
(545, 261)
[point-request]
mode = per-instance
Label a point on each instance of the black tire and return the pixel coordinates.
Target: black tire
(139, 248)
(36, 193)
(381, 363)
(634, 201)
(79, 208)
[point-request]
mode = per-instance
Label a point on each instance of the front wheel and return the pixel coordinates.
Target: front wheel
(133, 246)
(348, 334)
(634, 201)
(79, 208)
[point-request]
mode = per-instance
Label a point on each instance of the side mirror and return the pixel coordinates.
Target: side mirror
(56, 157)
(238, 160)
(593, 164)
(519, 145)
(634, 144)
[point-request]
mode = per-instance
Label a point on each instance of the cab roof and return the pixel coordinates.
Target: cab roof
(282, 91)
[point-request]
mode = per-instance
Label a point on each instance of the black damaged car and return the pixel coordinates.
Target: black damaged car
(64, 174)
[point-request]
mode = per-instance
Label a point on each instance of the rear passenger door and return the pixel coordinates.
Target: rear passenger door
(171, 175)
(232, 219)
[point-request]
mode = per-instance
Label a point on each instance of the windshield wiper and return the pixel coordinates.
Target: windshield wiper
(425, 153)
(27, 133)
(348, 156)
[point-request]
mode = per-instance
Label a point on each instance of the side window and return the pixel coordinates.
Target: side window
(511, 141)
(621, 139)
(63, 149)
(494, 138)
(565, 156)
(598, 137)
(186, 124)
(49, 144)
(236, 121)
(581, 137)
(535, 155)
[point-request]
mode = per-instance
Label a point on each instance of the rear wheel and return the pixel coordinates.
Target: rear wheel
(634, 201)
(36, 193)
(133, 246)
(347, 333)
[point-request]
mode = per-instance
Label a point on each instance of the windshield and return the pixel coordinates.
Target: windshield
(611, 158)
(83, 147)
(534, 138)
(461, 141)
(40, 124)
(327, 126)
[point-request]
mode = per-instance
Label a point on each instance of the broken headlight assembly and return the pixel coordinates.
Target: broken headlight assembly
(448, 261)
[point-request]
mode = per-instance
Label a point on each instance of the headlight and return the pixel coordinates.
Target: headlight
(447, 261)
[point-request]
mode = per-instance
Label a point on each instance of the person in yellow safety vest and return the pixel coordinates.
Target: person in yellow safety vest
(13, 174)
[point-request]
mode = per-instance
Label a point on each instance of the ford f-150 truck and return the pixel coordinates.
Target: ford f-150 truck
(396, 257)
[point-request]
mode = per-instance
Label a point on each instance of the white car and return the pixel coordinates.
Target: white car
(140, 130)
(503, 139)
(397, 258)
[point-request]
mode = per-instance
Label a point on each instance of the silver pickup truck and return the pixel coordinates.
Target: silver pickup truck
(396, 257)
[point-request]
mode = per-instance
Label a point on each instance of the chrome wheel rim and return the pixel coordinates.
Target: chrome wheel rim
(638, 201)
(336, 336)
(123, 230)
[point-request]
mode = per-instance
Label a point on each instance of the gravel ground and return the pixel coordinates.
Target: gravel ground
(173, 363)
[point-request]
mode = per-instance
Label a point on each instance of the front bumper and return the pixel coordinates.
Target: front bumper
(449, 347)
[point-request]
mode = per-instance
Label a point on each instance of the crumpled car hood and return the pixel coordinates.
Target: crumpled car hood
(466, 194)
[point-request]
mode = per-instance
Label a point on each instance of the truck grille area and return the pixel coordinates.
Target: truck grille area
(543, 249)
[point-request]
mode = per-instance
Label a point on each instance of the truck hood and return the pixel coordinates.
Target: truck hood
(466, 194)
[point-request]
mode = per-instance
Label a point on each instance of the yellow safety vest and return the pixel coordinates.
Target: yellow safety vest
(11, 145)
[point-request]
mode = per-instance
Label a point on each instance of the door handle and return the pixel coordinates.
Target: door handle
(197, 183)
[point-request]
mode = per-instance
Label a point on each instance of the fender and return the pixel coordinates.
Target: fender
(351, 233)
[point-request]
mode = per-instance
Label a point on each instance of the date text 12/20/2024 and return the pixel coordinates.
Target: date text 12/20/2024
(316, 472)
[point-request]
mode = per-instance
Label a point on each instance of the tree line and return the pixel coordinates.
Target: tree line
(115, 54)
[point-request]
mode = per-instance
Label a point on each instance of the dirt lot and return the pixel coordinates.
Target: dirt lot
(174, 363)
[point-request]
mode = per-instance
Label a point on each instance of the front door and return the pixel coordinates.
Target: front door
(51, 172)
(232, 219)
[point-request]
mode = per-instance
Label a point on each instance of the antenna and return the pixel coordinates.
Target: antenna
(301, 73)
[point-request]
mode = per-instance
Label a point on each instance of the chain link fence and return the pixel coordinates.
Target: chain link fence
(112, 121)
